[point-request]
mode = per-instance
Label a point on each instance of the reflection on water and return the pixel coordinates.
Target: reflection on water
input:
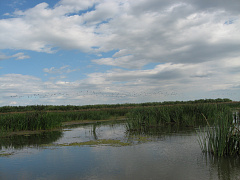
(169, 152)
(33, 140)
(225, 168)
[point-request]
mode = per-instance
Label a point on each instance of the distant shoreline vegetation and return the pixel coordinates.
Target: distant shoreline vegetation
(6, 109)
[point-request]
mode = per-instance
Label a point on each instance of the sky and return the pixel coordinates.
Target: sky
(72, 52)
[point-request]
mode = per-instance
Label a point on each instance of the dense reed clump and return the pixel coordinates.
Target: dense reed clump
(27, 121)
(188, 115)
(223, 137)
(88, 115)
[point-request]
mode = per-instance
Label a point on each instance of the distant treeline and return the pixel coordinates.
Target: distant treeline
(6, 109)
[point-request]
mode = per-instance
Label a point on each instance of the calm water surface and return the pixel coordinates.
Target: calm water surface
(171, 154)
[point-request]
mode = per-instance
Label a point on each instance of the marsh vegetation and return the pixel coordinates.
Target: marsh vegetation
(219, 137)
(223, 137)
(219, 133)
(188, 115)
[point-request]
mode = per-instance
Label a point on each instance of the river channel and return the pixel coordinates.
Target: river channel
(105, 151)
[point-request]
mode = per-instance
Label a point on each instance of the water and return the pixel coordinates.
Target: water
(173, 153)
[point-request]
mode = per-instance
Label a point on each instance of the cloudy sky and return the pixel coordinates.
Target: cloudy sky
(81, 52)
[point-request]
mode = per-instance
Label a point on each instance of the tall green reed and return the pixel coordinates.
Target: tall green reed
(40, 120)
(223, 137)
(28, 121)
(188, 115)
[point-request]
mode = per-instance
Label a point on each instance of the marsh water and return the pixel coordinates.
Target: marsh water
(108, 151)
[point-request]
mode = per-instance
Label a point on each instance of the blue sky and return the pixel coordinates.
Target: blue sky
(63, 52)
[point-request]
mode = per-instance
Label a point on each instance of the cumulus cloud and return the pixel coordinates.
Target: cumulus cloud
(152, 31)
(41, 29)
(178, 33)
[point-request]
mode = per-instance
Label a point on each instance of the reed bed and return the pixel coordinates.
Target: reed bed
(28, 121)
(188, 115)
(40, 120)
(140, 116)
(220, 137)
(88, 115)
(223, 137)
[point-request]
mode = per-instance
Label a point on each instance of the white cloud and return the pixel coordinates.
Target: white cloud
(77, 5)
(128, 61)
(167, 81)
(3, 57)
(151, 31)
(198, 78)
(104, 11)
(61, 70)
(41, 28)
(7, 14)
(195, 44)
(13, 103)
(18, 56)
